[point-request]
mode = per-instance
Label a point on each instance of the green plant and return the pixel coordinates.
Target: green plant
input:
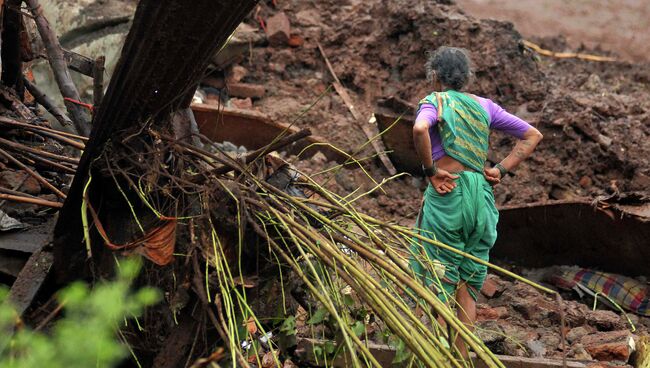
(88, 333)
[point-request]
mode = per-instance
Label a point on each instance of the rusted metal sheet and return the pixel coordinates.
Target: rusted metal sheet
(395, 119)
(598, 235)
(254, 130)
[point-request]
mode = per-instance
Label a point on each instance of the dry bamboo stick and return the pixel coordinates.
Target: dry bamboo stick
(38, 201)
(33, 173)
(59, 66)
(21, 147)
(52, 164)
(6, 120)
(15, 192)
(47, 102)
(566, 55)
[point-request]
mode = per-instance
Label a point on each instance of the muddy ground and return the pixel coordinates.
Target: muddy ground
(594, 116)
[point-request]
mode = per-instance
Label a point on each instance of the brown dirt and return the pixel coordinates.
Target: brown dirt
(618, 26)
(594, 115)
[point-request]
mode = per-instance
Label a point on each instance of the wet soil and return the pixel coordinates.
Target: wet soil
(594, 116)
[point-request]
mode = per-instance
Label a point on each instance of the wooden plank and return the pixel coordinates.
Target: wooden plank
(30, 279)
(385, 355)
(79, 63)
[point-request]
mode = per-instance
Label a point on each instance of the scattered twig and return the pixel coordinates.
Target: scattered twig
(52, 164)
(50, 316)
(59, 66)
(38, 201)
(47, 103)
(343, 93)
(566, 55)
(33, 173)
(15, 192)
(6, 120)
(21, 147)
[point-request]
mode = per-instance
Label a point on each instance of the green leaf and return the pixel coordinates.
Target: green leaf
(289, 326)
(318, 316)
(401, 352)
(329, 347)
(348, 300)
(358, 328)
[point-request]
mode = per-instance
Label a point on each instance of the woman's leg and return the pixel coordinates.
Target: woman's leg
(466, 311)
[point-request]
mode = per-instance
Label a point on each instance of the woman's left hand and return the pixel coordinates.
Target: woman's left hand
(492, 175)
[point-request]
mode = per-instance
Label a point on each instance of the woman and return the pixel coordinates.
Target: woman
(451, 135)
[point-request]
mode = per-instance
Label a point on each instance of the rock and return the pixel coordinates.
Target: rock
(486, 313)
(21, 181)
(578, 333)
(296, 41)
(245, 90)
(608, 346)
(605, 320)
(268, 360)
(489, 288)
(289, 364)
(278, 29)
(579, 352)
(241, 103)
(537, 348)
(236, 73)
(319, 158)
(585, 182)
(492, 335)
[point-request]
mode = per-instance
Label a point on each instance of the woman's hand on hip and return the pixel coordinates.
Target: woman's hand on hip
(443, 182)
(492, 175)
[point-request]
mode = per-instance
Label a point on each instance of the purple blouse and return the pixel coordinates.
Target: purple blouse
(500, 120)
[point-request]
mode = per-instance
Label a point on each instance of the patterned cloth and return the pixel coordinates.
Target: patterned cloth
(464, 127)
(628, 293)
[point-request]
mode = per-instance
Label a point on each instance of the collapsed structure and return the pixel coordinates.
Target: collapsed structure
(147, 188)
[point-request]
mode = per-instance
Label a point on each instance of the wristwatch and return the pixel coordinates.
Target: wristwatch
(502, 170)
(429, 171)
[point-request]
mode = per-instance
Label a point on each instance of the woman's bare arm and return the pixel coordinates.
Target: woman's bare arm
(422, 142)
(522, 150)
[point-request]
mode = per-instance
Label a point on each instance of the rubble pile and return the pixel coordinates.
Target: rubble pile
(594, 115)
(517, 320)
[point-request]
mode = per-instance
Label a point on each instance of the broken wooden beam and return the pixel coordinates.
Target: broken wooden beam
(47, 103)
(79, 63)
(56, 58)
(30, 279)
(372, 138)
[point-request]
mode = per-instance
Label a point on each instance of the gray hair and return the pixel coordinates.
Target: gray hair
(451, 66)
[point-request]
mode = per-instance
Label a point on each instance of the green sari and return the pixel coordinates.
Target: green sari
(464, 127)
(466, 218)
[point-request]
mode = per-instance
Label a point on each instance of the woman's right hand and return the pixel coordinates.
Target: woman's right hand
(443, 182)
